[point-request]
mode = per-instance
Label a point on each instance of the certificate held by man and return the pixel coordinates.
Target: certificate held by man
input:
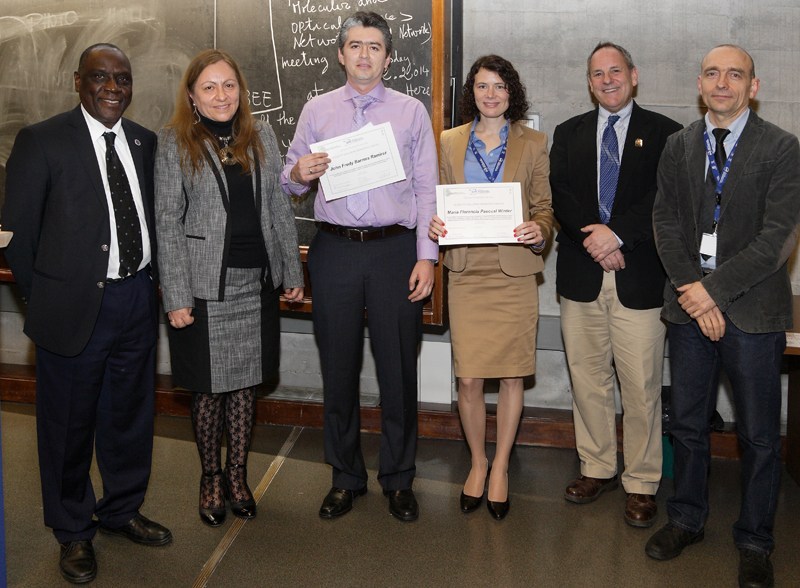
(479, 213)
(362, 160)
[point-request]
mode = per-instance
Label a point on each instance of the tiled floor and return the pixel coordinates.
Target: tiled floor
(545, 541)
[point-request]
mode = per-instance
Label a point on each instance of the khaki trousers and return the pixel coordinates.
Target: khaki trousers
(600, 336)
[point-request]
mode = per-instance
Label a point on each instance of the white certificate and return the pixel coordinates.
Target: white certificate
(362, 160)
(479, 213)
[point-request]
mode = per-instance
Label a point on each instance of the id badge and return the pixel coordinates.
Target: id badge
(708, 245)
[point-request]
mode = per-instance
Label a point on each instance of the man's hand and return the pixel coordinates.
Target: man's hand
(695, 300)
(613, 262)
(309, 167)
(421, 281)
(712, 324)
(601, 241)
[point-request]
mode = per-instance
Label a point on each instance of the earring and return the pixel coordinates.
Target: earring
(196, 114)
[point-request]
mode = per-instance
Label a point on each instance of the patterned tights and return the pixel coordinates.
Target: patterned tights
(211, 413)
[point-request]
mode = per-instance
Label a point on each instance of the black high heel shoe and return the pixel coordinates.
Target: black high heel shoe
(212, 516)
(499, 510)
(469, 503)
(244, 509)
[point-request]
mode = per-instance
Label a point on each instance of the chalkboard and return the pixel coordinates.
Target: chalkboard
(286, 48)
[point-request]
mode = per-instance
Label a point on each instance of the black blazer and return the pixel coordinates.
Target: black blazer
(573, 179)
(56, 206)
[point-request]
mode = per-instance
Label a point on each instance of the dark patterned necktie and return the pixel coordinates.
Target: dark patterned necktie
(129, 231)
(609, 169)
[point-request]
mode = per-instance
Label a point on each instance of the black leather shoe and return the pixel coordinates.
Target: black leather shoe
(402, 504)
(77, 562)
(669, 541)
(755, 569)
(237, 474)
(339, 501)
(499, 510)
(470, 503)
(142, 530)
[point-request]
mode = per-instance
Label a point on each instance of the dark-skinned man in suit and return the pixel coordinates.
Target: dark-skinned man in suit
(81, 255)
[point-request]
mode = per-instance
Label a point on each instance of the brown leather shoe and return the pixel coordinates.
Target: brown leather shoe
(585, 489)
(640, 510)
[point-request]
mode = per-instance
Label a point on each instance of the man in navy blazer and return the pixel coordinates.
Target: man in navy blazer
(610, 282)
(726, 219)
(93, 320)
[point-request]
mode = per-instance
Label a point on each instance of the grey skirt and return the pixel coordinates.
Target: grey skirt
(233, 343)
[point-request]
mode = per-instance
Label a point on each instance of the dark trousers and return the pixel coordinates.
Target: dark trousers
(102, 398)
(752, 363)
(347, 277)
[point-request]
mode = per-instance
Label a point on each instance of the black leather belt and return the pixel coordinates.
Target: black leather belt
(128, 277)
(365, 233)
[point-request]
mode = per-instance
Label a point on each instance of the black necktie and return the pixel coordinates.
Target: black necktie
(129, 232)
(719, 151)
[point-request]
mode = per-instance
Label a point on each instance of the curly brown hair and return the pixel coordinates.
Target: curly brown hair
(192, 137)
(517, 101)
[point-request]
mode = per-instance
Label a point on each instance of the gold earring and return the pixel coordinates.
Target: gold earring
(196, 114)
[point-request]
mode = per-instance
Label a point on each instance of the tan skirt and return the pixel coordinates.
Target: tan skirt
(493, 318)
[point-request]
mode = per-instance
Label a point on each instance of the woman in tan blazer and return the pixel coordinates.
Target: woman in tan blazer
(492, 290)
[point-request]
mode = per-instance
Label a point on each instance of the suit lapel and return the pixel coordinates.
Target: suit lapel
(460, 146)
(747, 145)
(632, 151)
(513, 153)
(85, 150)
(585, 152)
(695, 164)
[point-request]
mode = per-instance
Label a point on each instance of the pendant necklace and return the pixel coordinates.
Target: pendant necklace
(225, 152)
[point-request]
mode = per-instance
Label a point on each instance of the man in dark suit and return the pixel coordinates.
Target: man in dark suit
(725, 221)
(81, 257)
(602, 173)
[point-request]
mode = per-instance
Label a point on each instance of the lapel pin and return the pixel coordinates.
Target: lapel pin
(639, 143)
(139, 143)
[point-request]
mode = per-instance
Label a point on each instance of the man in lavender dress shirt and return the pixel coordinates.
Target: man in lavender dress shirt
(371, 252)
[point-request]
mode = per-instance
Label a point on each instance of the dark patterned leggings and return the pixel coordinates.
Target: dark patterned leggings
(211, 413)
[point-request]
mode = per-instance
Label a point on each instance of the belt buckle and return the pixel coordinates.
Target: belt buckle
(361, 233)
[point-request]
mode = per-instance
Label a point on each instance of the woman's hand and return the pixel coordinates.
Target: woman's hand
(180, 318)
(436, 229)
(293, 294)
(529, 233)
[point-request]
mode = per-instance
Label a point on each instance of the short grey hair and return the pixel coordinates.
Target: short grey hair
(609, 45)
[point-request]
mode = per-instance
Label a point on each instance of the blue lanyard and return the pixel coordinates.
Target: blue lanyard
(490, 175)
(719, 178)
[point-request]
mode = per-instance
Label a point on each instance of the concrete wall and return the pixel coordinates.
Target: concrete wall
(549, 40)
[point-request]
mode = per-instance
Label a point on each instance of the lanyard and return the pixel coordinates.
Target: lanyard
(490, 175)
(719, 178)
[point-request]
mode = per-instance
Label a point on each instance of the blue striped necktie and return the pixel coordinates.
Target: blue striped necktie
(609, 169)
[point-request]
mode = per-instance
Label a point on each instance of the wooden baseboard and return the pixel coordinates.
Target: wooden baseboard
(539, 426)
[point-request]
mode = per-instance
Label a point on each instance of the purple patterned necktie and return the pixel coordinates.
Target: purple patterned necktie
(358, 204)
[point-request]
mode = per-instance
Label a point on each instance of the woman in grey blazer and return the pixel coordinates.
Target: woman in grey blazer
(227, 243)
